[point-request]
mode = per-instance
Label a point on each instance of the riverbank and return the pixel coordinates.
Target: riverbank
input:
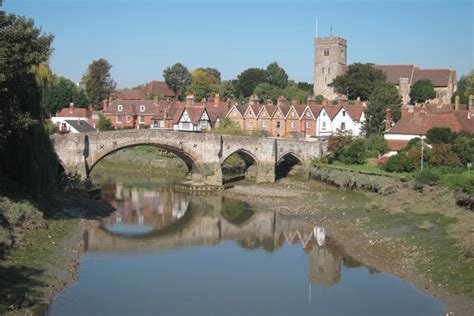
(422, 237)
(41, 245)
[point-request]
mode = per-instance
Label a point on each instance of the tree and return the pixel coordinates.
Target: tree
(440, 135)
(359, 81)
(212, 72)
(384, 96)
(225, 89)
(305, 86)
(421, 91)
(319, 99)
(26, 154)
(249, 79)
(177, 77)
(293, 93)
(60, 92)
(201, 84)
(465, 87)
(276, 75)
(104, 124)
(98, 82)
(266, 91)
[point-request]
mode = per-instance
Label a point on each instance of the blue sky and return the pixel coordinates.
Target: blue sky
(140, 38)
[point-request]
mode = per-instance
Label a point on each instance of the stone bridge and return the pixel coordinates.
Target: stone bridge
(202, 153)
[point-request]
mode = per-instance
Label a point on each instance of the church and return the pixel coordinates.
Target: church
(330, 61)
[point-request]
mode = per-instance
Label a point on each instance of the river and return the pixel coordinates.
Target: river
(171, 253)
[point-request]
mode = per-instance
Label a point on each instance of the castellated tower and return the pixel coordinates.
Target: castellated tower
(330, 61)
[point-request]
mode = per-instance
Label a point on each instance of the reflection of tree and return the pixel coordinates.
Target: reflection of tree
(253, 243)
(235, 211)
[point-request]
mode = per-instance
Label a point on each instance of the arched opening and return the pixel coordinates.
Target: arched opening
(286, 165)
(148, 158)
(238, 166)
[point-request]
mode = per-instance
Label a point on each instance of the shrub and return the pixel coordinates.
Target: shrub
(463, 146)
(440, 135)
(444, 156)
(377, 143)
(104, 124)
(354, 152)
(399, 163)
(50, 127)
(337, 141)
(426, 177)
(319, 99)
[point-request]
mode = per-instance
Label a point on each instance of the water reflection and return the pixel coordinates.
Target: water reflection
(171, 253)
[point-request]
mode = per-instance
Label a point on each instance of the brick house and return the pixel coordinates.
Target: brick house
(153, 88)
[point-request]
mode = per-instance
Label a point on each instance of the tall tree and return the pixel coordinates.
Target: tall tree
(465, 87)
(421, 91)
(359, 81)
(212, 72)
(308, 87)
(384, 96)
(201, 84)
(177, 77)
(276, 75)
(225, 89)
(26, 155)
(60, 93)
(98, 82)
(249, 79)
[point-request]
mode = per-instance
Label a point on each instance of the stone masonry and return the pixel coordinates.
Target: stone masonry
(202, 153)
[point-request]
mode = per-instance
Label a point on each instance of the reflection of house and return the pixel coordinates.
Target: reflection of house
(325, 265)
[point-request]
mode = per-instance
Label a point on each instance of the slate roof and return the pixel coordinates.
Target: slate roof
(81, 126)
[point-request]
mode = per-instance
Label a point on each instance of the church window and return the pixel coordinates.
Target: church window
(326, 52)
(329, 70)
(323, 69)
(325, 79)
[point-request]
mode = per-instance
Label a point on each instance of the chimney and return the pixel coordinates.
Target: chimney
(456, 103)
(269, 102)
(281, 101)
(253, 99)
(217, 100)
(388, 118)
(310, 100)
(411, 108)
(190, 100)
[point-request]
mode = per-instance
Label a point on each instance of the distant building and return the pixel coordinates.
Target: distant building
(73, 120)
(330, 61)
(153, 88)
(417, 120)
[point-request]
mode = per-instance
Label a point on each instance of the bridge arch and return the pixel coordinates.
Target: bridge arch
(247, 171)
(286, 163)
(189, 160)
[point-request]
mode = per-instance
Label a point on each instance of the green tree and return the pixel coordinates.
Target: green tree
(60, 92)
(201, 84)
(305, 86)
(266, 91)
(98, 82)
(212, 72)
(319, 99)
(177, 77)
(249, 79)
(359, 81)
(463, 146)
(421, 91)
(225, 89)
(293, 93)
(465, 87)
(26, 154)
(276, 75)
(104, 124)
(440, 135)
(385, 95)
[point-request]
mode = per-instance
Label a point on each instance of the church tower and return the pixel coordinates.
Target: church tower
(330, 61)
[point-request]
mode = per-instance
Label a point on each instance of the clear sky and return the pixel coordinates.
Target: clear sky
(141, 38)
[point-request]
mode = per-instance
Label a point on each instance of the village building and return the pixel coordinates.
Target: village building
(417, 120)
(73, 120)
(131, 113)
(151, 90)
(330, 61)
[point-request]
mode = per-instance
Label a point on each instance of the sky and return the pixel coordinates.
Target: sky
(142, 37)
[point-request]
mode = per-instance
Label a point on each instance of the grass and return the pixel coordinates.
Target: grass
(368, 169)
(463, 181)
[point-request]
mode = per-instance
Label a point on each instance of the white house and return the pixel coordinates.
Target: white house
(73, 120)
(192, 119)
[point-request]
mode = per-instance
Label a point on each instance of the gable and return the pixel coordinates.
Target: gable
(263, 113)
(204, 116)
(185, 117)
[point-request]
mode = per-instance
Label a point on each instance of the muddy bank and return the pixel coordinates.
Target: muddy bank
(47, 243)
(423, 238)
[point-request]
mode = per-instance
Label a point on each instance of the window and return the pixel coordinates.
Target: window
(119, 108)
(308, 114)
(264, 124)
(293, 113)
(185, 125)
(343, 126)
(293, 124)
(119, 118)
(326, 52)
(323, 70)
(162, 123)
(324, 125)
(278, 124)
(329, 70)
(141, 119)
(155, 123)
(343, 113)
(308, 124)
(249, 124)
(325, 79)
(142, 108)
(128, 118)
(324, 113)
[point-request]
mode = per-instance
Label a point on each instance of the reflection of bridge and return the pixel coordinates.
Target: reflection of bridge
(196, 228)
(202, 153)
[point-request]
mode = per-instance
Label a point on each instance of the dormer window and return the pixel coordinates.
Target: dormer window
(142, 108)
(119, 108)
